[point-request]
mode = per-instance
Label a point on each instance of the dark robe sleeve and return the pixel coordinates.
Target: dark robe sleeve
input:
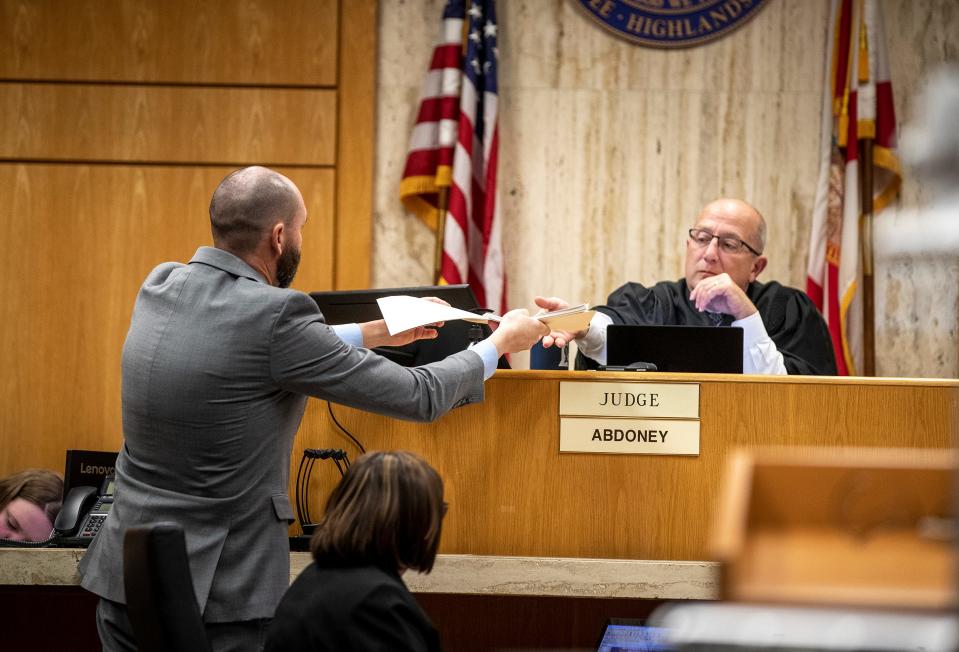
(790, 318)
(634, 304)
(797, 328)
(665, 304)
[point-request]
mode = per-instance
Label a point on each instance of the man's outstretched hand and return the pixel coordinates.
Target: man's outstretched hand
(517, 331)
(557, 338)
(376, 334)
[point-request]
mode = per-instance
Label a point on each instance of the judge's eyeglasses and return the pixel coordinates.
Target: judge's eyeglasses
(700, 238)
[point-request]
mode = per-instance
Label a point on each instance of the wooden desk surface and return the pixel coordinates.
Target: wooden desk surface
(511, 491)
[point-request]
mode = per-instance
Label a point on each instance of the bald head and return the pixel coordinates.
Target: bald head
(745, 214)
(247, 204)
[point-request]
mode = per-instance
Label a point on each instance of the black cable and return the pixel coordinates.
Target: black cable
(329, 405)
(307, 462)
(10, 543)
(299, 489)
(303, 489)
(304, 476)
(307, 472)
(309, 476)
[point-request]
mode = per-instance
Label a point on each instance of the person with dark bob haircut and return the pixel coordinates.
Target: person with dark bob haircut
(383, 518)
(29, 503)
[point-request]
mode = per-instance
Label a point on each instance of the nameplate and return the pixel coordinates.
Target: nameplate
(664, 400)
(628, 436)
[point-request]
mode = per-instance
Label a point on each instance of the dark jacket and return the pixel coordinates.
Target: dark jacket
(343, 608)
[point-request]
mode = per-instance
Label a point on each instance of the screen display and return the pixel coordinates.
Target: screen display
(108, 486)
(104, 508)
(633, 637)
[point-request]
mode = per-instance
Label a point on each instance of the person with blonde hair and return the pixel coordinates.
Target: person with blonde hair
(384, 518)
(29, 503)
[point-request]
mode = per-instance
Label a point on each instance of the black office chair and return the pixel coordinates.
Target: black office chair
(161, 604)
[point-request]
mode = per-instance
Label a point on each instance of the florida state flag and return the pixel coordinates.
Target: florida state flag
(857, 105)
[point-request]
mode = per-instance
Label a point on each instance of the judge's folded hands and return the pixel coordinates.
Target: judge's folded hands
(558, 338)
(720, 294)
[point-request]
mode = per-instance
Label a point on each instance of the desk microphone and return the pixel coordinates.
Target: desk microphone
(475, 333)
(325, 453)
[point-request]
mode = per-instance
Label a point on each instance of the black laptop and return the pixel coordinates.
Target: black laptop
(699, 349)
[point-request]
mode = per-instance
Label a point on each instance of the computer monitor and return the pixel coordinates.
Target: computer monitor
(355, 306)
(87, 468)
(700, 349)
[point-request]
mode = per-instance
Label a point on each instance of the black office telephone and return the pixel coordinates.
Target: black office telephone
(81, 516)
(83, 513)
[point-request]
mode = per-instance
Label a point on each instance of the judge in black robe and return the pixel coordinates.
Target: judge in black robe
(790, 318)
(782, 331)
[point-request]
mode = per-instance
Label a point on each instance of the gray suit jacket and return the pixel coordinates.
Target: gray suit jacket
(217, 366)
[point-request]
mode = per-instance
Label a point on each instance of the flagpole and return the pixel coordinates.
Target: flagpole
(442, 200)
(868, 294)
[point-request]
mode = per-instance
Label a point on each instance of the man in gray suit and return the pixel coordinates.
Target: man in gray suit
(217, 366)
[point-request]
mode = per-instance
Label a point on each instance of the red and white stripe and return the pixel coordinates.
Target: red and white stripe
(853, 108)
(472, 249)
(445, 152)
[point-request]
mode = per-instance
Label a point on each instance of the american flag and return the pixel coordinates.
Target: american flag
(857, 104)
(454, 148)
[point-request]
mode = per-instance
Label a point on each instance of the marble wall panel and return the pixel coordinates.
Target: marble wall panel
(608, 150)
(917, 300)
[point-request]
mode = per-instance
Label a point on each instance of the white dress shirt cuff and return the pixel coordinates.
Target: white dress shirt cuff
(349, 333)
(593, 344)
(487, 353)
(760, 355)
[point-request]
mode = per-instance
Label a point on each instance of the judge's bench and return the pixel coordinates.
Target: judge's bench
(548, 543)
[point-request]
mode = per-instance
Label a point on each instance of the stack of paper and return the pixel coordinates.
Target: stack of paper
(574, 318)
(402, 313)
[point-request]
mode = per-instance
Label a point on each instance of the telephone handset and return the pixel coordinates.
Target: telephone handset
(76, 505)
(83, 513)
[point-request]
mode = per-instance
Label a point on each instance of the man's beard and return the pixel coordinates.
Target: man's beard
(286, 267)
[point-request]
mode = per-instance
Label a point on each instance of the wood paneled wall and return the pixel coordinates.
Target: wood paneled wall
(117, 120)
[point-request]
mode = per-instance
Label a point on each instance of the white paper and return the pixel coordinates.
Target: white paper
(402, 313)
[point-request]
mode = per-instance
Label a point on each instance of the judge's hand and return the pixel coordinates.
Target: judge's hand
(557, 338)
(719, 294)
(376, 334)
(517, 332)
